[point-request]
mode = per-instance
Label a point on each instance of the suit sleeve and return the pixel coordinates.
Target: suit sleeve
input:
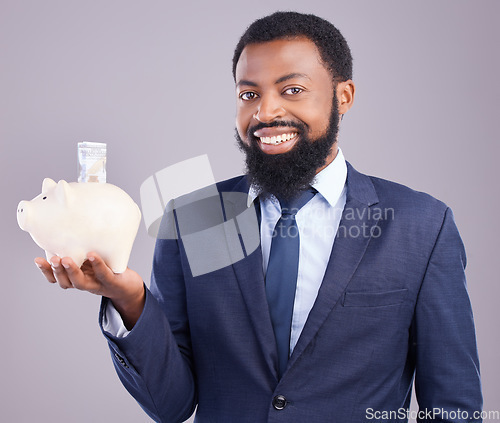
(154, 360)
(447, 378)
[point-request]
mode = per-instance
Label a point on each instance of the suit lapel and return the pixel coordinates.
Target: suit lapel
(347, 252)
(348, 249)
(249, 272)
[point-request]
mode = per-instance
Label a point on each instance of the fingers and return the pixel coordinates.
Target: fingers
(60, 272)
(94, 276)
(54, 272)
(101, 270)
(46, 269)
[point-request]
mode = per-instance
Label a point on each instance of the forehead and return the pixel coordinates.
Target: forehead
(277, 58)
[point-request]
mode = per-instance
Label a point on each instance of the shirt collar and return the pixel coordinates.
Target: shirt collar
(329, 182)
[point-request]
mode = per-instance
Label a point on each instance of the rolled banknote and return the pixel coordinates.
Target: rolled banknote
(91, 162)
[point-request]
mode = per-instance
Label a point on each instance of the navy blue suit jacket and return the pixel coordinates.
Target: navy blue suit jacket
(393, 305)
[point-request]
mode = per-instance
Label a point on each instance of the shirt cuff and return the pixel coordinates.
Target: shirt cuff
(112, 322)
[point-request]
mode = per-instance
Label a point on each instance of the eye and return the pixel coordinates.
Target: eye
(248, 95)
(293, 91)
(44, 198)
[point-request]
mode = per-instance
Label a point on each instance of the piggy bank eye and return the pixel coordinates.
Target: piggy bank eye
(44, 198)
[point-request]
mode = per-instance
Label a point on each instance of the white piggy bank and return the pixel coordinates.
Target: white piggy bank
(72, 219)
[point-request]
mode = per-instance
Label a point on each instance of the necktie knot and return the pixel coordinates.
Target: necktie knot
(292, 206)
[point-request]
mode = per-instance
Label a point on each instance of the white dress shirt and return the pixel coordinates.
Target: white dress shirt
(317, 222)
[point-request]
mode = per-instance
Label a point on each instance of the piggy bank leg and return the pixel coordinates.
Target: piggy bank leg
(49, 255)
(118, 263)
(79, 257)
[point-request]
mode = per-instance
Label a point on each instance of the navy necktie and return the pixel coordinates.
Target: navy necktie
(281, 275)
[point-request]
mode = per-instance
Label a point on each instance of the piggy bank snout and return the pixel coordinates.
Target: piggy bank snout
(22, 212)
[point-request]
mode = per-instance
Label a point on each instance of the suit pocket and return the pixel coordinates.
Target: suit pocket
(374, 299)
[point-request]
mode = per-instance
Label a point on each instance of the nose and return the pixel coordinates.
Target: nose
(21, 214)
(269, 109)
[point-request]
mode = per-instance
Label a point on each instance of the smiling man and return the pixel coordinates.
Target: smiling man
(357, 288)
(288, 111)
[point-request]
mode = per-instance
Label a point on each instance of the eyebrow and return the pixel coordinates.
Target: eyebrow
(278, 81)
(246, 82)
(291, 76)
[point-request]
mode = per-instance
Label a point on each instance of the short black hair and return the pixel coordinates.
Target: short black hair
(330, 43)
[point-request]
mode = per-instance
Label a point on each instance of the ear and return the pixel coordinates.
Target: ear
(345, 95)
(63, 192)
(47, 184)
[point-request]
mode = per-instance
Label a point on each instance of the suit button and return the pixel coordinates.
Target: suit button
(279, 402)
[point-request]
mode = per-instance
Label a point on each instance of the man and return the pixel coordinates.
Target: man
(375, 270)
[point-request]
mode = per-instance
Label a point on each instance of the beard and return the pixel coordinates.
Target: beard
(285, 175)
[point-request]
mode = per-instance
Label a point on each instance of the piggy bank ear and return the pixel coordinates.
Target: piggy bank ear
(47, 184)
(63, 192)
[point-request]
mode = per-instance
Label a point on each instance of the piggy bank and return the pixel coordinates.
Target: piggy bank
(72, 219)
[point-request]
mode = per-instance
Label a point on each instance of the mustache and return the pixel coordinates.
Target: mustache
(299, 126)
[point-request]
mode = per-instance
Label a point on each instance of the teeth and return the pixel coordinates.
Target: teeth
(278, 139)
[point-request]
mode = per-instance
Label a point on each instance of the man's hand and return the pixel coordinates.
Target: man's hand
(125, 290)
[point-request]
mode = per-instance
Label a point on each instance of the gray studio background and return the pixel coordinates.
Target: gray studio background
(152, 79)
